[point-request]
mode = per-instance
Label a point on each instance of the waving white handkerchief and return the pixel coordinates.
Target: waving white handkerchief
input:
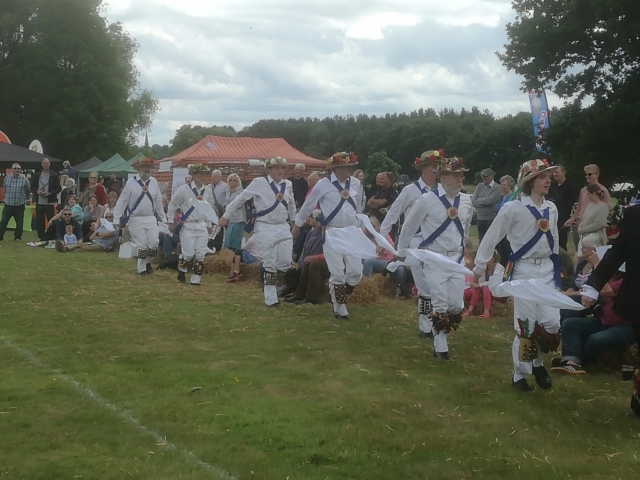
(350, 241)
(535, 290)
(205, 209)
(440, 262)
(364, 222)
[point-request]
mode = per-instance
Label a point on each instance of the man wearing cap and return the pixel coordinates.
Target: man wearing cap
(299, 184)
(338, 197)
(274, 203)
(443, 217)
(140, 208)
(427, 164)
(485, 199)
(16, 195)
(194, 227)
(530, 225)
(71, 172)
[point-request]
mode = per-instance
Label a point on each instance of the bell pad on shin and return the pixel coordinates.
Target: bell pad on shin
(548, 342)
(528, 350)
(151, 252)
(441, 322)
(340, 292)
(142, 253)
(454, 320)
(198, 268)
(424, 306)
(270, 278)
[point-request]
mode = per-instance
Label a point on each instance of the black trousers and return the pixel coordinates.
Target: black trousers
(17, 212)
(483, 226)
(43, 211)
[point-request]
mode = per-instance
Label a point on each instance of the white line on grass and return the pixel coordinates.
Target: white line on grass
(219, 472)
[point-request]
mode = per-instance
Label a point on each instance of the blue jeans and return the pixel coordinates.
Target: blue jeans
(583, 339)
(372, 265)
(169, 242)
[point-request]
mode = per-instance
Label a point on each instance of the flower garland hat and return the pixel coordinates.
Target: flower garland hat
(145, 162)
(532, 168)
(342, 159)
(198, 168)
(430, 157)
(275, 161)
(451, 165)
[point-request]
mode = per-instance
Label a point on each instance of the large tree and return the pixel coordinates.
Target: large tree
(68, 78)
(583, 50)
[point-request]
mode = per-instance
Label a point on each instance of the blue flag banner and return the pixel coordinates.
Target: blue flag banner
(540, 117)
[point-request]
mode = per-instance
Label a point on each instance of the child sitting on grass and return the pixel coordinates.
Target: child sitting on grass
(474, 290)
(70, 240)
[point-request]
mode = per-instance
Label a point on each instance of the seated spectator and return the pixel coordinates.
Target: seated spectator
(103, 237)
(376, 265)
(583, 339)
(76, 214)
(249, 253)
(312, 246)
(168, 243)
(475, 291)
(66, 218)
(112, 199)
(90, 215)
(70, 240)
(587, 261)
(311, 284)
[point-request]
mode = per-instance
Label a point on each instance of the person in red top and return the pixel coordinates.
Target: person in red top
(583, 339)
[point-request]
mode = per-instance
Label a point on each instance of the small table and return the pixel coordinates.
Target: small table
(28, 213)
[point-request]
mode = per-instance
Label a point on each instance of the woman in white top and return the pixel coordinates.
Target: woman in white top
(594, 219)
(359, 174)
(112, 199)
(238, 219)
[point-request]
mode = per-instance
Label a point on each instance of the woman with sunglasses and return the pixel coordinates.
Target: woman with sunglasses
(66, 218)
(93, 188)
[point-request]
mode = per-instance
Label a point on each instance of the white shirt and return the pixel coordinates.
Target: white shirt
(428, 213)
(219, 193)
(180, 200)
(129, 196)
(328, 196)
(517, 222)
(263, 199)
(408, 196)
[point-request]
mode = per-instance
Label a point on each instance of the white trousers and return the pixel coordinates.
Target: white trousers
(343, 269)
(276, 245)
(547, 317)
(144, 233)
(193, 244)
(420, 279)
(447, 295)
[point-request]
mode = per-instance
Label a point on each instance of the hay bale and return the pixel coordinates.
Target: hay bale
(219, 263)
(498, 309)
(615, 359)
(367, 292)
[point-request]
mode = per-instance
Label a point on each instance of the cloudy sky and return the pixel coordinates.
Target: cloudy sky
(233, 62)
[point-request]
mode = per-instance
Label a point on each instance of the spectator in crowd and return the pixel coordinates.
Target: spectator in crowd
(71, 172)
(584, 339)
(313, 276)
(564, 194)
(113, 184)
(359, 174)
(70, 241)
(385, 194)
(16, 196)
(103, 236)
(219, 190)
(508, 193)
(592, 175)
(93, 188)
(69, 188)
(312, 179)
(66, 218)
(90, 215)
(479, 290)
(63, 182)
(485, 199)
(237, 220)
(300, 185)
(110, 207)
(594, 219)
(77, 215)
(45, 186)
(250, 252)
(377, 265)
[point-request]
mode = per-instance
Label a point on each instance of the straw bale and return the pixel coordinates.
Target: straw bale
(613, 360)
(498, 309)
(367, 292)
(219, 263)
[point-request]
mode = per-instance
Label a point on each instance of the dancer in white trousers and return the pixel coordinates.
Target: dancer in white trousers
(339, 199)
(443, 217)
(194, 227)
(274, 203)
(427, 163)
(531, 227)
(139, 207)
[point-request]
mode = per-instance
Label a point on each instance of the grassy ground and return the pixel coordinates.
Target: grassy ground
(284, 394)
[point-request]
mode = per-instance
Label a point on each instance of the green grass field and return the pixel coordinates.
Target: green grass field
(97, 368)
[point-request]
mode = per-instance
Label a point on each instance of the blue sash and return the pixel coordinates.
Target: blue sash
(249, 227)
(452, 217)
(345, 197)
(140, 198)
(544, 228)
(184, 216)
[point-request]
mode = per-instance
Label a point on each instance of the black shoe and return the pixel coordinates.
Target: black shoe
(542, 377)
(194, 284)
(349, 289)
(556, 362)
(341, 317)
(284, 291)
(142, 274)
(425, 335)
(273, 305)
(442, 355)
(181, 277)
(522, 385)
(291, 299)
(149, 268)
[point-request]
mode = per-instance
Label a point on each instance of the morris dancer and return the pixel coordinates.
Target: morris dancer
(194, 227)
(142, 198)
(531, 227)
(338, 196)
(427, 163)
(443, 217)
(273, 199)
